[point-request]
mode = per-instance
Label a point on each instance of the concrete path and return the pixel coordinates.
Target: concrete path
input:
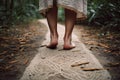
(75, 64)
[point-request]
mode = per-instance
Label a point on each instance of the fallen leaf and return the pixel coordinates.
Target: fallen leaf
(110, 37)
(4, 52)
(108, 51)
(12, 62)
(22, 49)
(22, 43)
(91, 43)
(103, 45)
(4, 45)
(114, 64)
(8, 67)
(26, 61)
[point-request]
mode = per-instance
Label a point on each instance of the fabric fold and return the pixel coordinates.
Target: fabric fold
(79, 6)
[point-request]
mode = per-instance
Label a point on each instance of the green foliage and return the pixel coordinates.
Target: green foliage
(23, 10)
(61, 16)
(104, 13)
(100, 12)
(20, 11)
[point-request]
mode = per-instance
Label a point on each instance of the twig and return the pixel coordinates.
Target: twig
(42, 45)
(78, 64)
(91, 69)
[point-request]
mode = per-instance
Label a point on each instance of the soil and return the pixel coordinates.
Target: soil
(18, 45)
(105, 45)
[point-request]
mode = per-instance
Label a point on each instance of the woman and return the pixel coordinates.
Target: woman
(74, 9)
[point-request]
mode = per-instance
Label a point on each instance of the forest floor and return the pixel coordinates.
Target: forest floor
(105, 46)
(18, 46)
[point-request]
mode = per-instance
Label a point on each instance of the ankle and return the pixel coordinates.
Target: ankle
(67, 42)
(67, 39)
(54, 36)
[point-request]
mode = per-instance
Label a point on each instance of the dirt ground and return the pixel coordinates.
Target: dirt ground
(19, 45)
(105, 46)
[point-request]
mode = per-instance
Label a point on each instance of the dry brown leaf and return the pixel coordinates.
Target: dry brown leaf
(26, 61)
(4, 45)
(114, 64)
(107, 51)
(12, 62)
(22, 40)
(27, 34)
(103, 45)
(8, 67)
(91, 43)
(110, 37)
(22, 49)
(4, 52)
(22, 43)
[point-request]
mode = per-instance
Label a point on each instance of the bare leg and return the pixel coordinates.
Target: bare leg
(69, 25)
(52, 22)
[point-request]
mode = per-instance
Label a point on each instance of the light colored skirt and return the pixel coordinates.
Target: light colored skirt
(79, 6)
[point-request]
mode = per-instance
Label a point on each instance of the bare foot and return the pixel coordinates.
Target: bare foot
(53, 44)
(68, 45)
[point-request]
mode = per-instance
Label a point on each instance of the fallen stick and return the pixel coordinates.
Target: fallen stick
(91, 69)
(78, 64)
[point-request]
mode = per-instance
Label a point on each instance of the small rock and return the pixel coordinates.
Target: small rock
(43, 57)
